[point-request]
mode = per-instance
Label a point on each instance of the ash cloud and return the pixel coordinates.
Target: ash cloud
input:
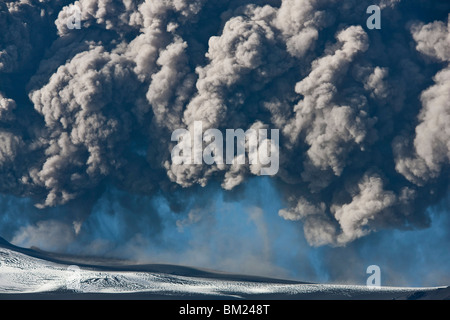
(364, 115)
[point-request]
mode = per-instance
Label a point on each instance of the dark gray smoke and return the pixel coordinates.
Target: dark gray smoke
(364, 115)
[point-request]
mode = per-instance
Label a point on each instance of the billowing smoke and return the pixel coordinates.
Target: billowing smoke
(364, 115)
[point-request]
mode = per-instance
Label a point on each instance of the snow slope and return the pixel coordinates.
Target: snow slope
(36, 274)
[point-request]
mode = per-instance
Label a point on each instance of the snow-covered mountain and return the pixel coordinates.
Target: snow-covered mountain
(36, 274)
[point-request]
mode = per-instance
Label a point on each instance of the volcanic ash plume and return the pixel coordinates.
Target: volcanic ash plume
(364, 115)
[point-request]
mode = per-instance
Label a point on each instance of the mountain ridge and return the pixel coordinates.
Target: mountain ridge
(94, 263)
